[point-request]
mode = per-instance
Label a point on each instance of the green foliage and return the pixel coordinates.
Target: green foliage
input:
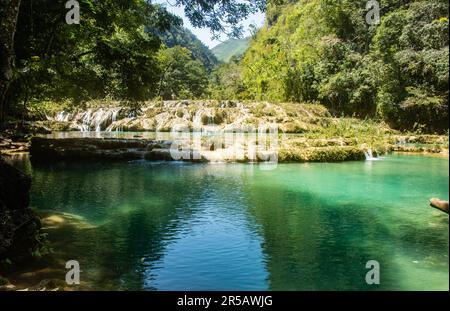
(413, 44)
(220, 16)
(43, 248)
(3, 281)
(321, 154)
(226, 81)
(308, 51)
(115, 52)
(178, 35)
(109, 53)
(324, 51)
(182, 76)
(278, 54)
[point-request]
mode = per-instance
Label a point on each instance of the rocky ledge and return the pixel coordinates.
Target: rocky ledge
(115, 149)
(48, 149)
(10, 147)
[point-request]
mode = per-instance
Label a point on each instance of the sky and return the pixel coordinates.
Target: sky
(203, 33)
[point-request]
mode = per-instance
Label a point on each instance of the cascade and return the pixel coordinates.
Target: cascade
(369, 155)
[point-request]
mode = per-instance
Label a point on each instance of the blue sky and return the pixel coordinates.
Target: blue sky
(204, 34)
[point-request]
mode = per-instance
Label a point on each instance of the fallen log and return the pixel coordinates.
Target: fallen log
(439, 204)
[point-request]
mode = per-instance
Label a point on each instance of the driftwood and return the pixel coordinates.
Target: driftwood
(439, 204)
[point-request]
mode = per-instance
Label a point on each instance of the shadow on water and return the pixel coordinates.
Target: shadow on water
(128, 219)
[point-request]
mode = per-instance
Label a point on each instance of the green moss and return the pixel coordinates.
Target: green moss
(321, 154)
(153, 112)
(180, 112)
(257, 110)
(220, 115)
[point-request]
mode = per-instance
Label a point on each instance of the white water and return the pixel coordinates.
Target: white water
(62, 116)
(99, 120)
(369, 155)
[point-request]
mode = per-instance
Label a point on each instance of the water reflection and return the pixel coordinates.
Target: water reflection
(179, 226)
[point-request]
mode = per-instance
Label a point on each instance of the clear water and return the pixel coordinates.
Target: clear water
(175, 226)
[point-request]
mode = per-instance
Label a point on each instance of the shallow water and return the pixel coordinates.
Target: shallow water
(179, 226)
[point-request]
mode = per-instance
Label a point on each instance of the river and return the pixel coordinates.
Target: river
(179, 226)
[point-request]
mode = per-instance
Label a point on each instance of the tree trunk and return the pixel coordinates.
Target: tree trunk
(9, 10)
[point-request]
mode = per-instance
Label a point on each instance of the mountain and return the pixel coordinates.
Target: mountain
(233, 47)
(179, 35)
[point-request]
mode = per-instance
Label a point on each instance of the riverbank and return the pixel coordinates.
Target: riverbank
(244, 149)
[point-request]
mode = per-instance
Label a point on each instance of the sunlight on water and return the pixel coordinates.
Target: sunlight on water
(178, 226)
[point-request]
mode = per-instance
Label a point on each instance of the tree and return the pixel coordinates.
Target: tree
(9, 10)
(226, 81)
(181, 75)
(179, 35)
(412, 43)
(110, 54)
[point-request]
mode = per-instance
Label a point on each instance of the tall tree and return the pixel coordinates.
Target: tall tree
(9, 10)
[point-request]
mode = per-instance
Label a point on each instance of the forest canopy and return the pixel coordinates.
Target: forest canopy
(324, 51)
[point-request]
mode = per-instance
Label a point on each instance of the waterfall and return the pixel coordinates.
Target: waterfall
(98, 119)
(62, 116)
(114, 115)
(86, 125)
(197, 120)
(369, 155)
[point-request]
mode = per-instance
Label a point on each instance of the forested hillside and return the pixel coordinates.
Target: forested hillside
(181, 36)
(232, 47)
(325, 51)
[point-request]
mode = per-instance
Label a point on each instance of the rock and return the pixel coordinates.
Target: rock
(113, 149)
(7, 287)
(159, 155)
(47, 149)
(164, 116)
(19, 224)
